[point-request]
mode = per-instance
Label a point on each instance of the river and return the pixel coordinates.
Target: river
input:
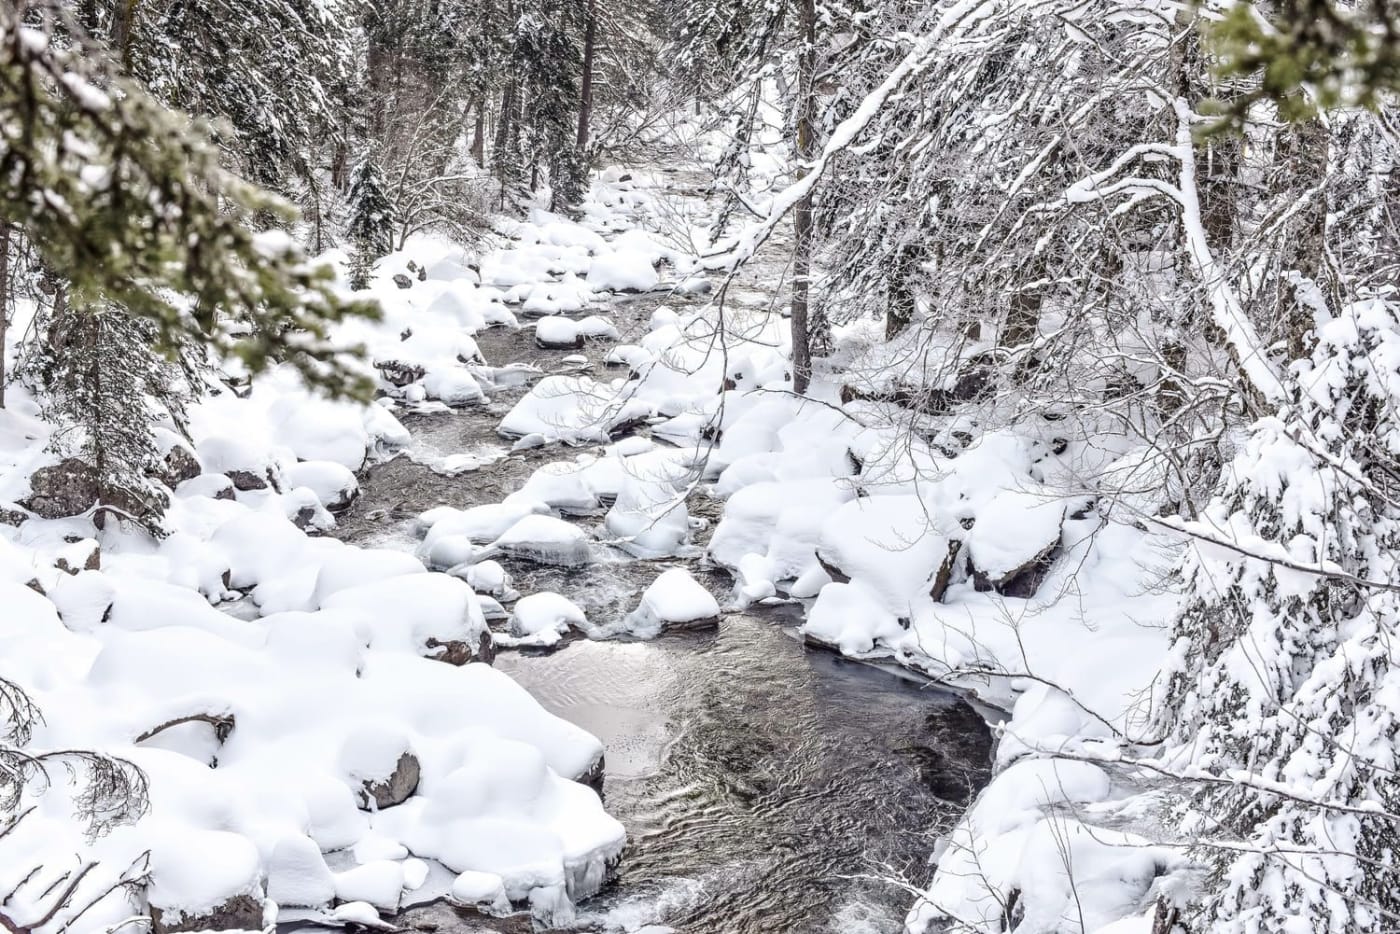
(766, 788)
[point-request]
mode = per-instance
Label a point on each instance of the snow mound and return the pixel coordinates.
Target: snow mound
(675, 598)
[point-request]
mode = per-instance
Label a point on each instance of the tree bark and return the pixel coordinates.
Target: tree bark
(585, 95)
(4, 302)
(479, 133)
(806, 326)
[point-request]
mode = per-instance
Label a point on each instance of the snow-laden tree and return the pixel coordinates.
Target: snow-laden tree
(372, 220)
(1285, 684)
(265, 68)
(127, 202)
(104, 384)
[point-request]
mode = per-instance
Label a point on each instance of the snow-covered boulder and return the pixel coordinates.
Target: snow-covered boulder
(674, 600)
(556, 333)
(544, 540)
(543, 618)
(1014, 540)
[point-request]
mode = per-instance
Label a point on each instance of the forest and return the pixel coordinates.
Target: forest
(700, 466)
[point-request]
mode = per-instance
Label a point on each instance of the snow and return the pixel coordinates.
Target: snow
(543, 539)
(674, 598)
(297, 874)
(543, 618)
(330, 671)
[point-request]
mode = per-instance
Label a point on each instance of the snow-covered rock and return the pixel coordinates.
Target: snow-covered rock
(674, 600)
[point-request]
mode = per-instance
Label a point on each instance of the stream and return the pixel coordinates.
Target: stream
(765, 788)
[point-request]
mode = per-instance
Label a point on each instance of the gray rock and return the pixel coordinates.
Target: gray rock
(1023, 581)
(399, 374)
(397, 788)
(67, 488)
(179, 465)
(402, 281)
(13, 515)
(240, 913)
(246, 481)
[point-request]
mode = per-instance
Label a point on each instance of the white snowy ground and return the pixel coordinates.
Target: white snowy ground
(327, 681)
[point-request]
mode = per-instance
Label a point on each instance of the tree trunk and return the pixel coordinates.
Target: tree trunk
(4, 302)
(807, 327)
(1303, 153)
(123, 22)
(479, 133)
(1023, 309)
(585, 96)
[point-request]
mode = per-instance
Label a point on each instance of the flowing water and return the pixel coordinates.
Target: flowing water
(765, 788)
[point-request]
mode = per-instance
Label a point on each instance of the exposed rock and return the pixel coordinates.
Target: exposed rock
(457, 652)
(397, 788)
(402, 281)
(1022, 581)
(400, 374)
(12, 515)
(178, 465)
(593, 775)
(239, 913)
(85, 555)
(944, 575)
(576, 343)
(67, 488)
(246, 481)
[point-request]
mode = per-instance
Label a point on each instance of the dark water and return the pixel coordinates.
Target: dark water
(765, 788)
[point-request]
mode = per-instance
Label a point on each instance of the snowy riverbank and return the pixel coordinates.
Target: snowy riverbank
(337, 728)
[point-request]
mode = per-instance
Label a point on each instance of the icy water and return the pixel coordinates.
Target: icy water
(765, 788)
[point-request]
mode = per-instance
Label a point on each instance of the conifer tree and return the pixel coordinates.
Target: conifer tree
(371, 225)
(100, 375)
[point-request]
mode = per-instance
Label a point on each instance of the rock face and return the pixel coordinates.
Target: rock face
(12, 515)
(64, 489)
(240, 913)
(397, 788)
(1022, 581)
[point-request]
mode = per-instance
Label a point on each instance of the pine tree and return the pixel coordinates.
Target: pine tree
(1282, 695)
(100, 376)
(371, 225)
(128, 202)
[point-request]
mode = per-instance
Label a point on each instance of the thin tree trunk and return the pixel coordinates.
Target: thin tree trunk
(804, 334)
(479, 133)
(4, 302)
(585, 95)
(123, 22)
